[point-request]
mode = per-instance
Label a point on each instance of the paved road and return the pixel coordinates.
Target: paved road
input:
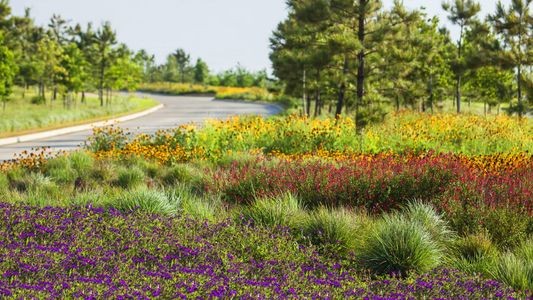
(178, 110)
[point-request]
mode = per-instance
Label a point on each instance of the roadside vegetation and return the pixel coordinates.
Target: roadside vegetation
(24, 116)
(432, 207)
(372, 190)
(222, 93)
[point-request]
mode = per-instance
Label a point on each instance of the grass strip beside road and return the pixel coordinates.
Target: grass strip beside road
(22, 117)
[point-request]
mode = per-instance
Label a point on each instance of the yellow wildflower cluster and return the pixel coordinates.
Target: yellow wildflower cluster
(161, 153)
(32, 160)
(244, 93)
(452, 132)
(489, 163)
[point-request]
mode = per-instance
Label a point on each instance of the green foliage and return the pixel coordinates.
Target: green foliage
(282, 211)
(8, 71)
(506, 229)
(38, 100)
(431, 221)
(335, 232)
(474, 253)
(21, 115)
(130, 177)
(69, 168)
(514, 271)
(4, 182)
(145, 201)
(400, 246)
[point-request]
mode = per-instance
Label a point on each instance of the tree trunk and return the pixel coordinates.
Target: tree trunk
(101, 84)
(519, 85)
(431, 96)
(342, 89)
(361, 64)
(458, 93)
(304, 92)
(459, 76)
(308, 99)
(83, 97)
(318, 104)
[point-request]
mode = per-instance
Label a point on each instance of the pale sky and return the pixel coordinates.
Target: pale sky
(222, 32)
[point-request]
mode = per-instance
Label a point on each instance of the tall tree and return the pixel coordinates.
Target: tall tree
(514, 24)
(104, 41)
(183, 60)
(7, 72)
(201, 71)
(462, 13)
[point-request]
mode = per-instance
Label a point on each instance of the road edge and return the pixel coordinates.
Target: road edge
(73, 129)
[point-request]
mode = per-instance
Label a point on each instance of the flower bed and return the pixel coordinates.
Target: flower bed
(98, 253)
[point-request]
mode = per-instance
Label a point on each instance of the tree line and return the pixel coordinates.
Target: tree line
(179, 68)
(65, 60)
(357, 57)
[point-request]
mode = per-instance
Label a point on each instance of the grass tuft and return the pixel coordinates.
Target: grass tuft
(399, 246)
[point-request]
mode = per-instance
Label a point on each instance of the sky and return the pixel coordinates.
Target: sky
(223, 33)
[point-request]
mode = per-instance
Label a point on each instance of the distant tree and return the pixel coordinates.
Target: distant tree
(58, 28)
(182, 62)
(125, 73)
(7, 72)
(85, 39)
(462, 13)
(46, 62)
(75, 71)
(201, 72)
(514, 24)
(147, 62)
(104, 41)
(492, 85)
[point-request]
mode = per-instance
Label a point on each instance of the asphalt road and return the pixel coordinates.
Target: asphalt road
(178, 110)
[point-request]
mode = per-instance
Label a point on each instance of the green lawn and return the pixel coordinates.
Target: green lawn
(22, 117)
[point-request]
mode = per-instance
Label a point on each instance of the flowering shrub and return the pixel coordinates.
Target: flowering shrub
(383, 182)
(97, 253)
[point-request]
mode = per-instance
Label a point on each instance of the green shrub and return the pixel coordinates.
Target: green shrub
(4, 182)
(130, 177)
(82, 162)
(334, 231)
(525, 250)
(42, 191)
(60, 170)
(506, 227)
(272, 212)
(144, 200)
(17, 179)
(103, 171)
(38, 100)
(431, 221)
(514, 271)
(199, 208)
(473, 253)
(178, 174)
(400, 246)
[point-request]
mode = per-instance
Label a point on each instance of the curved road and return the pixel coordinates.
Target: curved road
(178, 110)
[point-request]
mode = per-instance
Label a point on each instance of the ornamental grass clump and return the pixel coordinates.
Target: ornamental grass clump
(334, 231)
(283, 210)
(473, 253)
(146, 201)
(514, 271)
(399, 246)
(431, 221)
(130, 177)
